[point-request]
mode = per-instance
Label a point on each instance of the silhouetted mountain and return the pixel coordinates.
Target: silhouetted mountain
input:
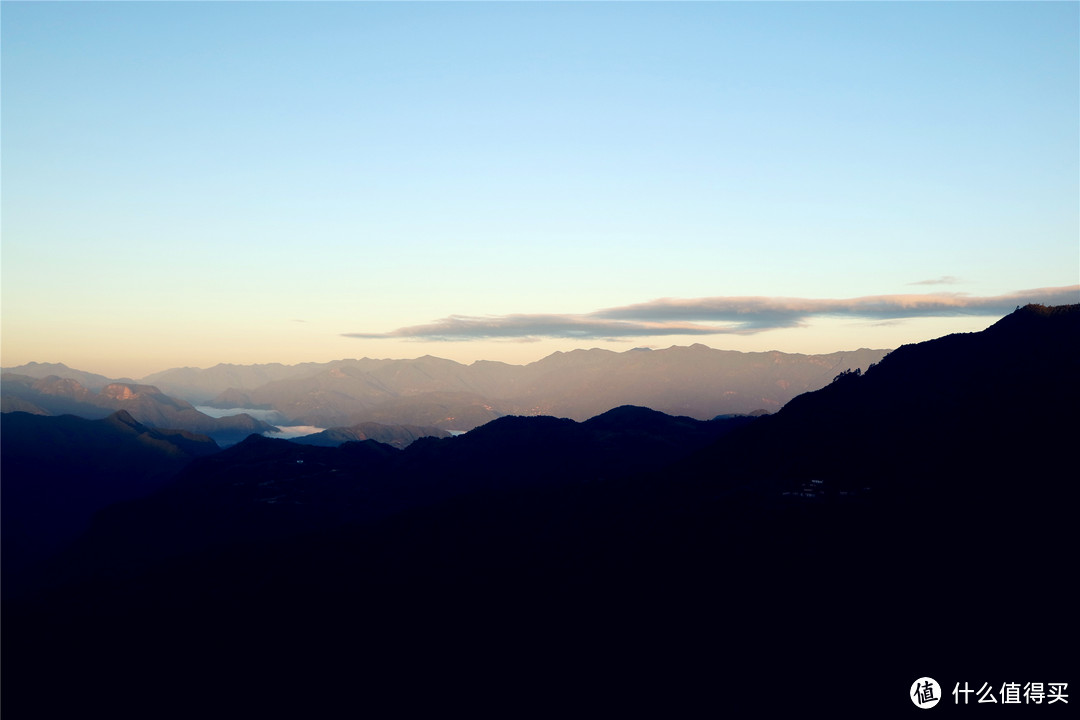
(59, 471)
(1009, 388)
(398, 436)
(265, 488)
(822, 557)
(57, 396)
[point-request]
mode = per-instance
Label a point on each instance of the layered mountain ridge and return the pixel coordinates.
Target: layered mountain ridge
(694, 381)
(871, 530)
(54, 395)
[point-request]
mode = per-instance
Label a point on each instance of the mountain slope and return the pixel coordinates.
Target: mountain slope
(89, 380)
(398, 436)
(59, 471)
(869, 533)
(694, 381)
(970, 406)
(265, 488)
(146, 403)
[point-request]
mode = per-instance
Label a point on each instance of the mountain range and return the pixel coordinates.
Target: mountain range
(54, 395)
(909, 519)
(693, 381)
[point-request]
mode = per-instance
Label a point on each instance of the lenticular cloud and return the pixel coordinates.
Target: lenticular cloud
(720, 315)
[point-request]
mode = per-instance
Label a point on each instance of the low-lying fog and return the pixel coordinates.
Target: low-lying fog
(270, 416)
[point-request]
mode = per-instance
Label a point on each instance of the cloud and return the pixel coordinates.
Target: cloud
(464, 327)
(719, 316)
(943, 280)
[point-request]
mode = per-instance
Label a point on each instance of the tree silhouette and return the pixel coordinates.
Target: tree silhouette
(849, 373)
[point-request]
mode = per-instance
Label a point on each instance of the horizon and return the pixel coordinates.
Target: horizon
(144, 376)
(194, 184)
(138, 378)
(753, 344)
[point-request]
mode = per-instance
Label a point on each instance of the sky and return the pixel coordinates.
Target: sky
(183, 184)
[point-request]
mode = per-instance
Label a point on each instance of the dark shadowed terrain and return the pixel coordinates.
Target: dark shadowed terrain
(913, 519)
(58, 471)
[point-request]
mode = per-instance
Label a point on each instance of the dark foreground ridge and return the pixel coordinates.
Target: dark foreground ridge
(886, 527)
(58, 471)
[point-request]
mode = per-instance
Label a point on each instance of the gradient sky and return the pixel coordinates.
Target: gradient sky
(193, 183)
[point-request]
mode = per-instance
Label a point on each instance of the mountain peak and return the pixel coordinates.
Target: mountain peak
(1032, 317)
(58, 366)
(626, 413)
(56, 385)
(125, 419)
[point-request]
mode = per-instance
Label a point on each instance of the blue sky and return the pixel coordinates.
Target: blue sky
(192, 183)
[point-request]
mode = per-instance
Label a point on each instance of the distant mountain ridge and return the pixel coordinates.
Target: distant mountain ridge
(53, 395)
(694, 381)
(91, 381)
(398, 436)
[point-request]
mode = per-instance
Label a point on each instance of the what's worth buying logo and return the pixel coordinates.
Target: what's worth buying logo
(925, 692)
